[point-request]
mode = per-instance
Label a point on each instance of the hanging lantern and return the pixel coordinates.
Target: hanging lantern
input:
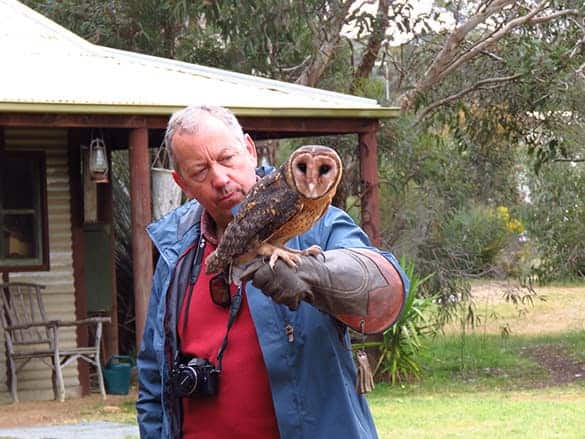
(98, 161)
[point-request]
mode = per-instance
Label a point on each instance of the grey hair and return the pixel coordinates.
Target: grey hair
(189, 120)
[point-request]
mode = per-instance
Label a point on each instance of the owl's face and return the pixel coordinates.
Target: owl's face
(315, 170)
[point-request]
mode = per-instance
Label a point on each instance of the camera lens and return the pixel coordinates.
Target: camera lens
(187, 381)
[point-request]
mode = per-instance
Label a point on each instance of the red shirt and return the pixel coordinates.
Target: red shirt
(243, 406)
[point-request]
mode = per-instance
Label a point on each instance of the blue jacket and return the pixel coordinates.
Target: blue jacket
(312, 379)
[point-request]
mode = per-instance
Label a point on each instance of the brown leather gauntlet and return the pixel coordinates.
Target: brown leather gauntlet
(359, 287)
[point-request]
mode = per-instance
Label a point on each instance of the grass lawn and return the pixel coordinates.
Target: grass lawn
(543, 413)
(482, 385)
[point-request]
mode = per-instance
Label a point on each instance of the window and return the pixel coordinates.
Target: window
(23, 212)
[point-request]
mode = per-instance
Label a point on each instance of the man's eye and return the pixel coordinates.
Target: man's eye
(227, 158)
(199, 174)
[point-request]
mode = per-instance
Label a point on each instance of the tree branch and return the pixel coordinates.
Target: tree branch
(448, 59)
(579, 71)
(478, 85)
(555, 15)
(493, 56)
(325, 46)
(449, 51)
(488, 41)
(310, 23)
(575, 160)
(581, 42)
(293, 69)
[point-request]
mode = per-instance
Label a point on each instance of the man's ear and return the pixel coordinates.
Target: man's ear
(179, 180)
(251, 148)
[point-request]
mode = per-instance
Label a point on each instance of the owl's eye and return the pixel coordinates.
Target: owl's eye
(324, 169)
(302, 167)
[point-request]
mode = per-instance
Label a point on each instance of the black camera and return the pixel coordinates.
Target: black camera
(194, 378)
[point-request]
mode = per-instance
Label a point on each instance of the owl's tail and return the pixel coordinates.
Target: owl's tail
(214, 263)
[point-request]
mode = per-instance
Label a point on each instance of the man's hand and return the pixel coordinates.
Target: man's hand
(336, 281)
(283, 284)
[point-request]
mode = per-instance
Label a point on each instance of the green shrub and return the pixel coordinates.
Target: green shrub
(474, 237)
(555, 218)
(402, 343)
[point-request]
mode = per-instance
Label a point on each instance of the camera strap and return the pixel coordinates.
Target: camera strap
(234, 309)
(194, 272)
(235, 304)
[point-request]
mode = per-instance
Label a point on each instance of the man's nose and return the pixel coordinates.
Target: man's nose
(219, 176)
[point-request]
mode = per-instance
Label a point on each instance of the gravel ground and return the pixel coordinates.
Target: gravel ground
(89, 430)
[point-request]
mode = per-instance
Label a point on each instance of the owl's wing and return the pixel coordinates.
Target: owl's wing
(270, 204)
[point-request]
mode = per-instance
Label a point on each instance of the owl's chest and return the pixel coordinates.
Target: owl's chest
(301, 222)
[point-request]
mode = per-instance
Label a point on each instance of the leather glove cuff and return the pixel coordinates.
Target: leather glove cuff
(386, 295)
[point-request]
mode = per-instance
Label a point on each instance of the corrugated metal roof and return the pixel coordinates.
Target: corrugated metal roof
(47, 68)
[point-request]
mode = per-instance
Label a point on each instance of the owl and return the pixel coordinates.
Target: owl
(280, 206)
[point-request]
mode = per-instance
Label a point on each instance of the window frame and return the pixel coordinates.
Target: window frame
(40, 158)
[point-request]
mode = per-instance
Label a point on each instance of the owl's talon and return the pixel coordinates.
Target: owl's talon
(314, 251)
(289, 258)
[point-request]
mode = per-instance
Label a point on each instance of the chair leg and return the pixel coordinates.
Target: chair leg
(58, 384)
(100, 377)
(98, 365)
(13, 382)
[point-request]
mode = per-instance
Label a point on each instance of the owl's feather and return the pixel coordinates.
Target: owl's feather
(269, 205)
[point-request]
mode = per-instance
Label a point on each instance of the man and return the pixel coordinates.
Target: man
(287, 370)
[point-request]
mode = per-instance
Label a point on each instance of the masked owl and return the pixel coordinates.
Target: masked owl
(280, 206)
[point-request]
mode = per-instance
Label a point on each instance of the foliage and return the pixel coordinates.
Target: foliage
(123, 252)
(474, 236)
(526, 48)
(260, 37)
(266, 37)
(402, 343)
(478, 132)
(432, 166)
(555, 219)
(535, 107)
(429, 184)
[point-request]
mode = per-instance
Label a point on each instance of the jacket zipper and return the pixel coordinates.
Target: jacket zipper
(290, 332)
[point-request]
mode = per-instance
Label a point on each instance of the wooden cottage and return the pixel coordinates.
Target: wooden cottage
(58, 93)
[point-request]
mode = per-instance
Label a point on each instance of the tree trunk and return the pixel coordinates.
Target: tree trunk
(373, 47)
(326, 37)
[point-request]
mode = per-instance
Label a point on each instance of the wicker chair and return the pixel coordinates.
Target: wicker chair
(30, 334)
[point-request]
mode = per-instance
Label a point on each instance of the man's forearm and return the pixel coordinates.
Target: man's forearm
(359, 286)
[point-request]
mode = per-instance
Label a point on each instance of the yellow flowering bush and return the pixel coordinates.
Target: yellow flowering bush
(513, 225)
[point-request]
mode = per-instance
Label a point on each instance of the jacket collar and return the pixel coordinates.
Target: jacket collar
(174, 232)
